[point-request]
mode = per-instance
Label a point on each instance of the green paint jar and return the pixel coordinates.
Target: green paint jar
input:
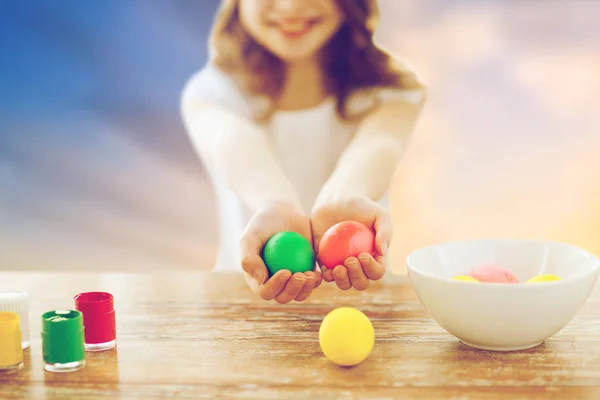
(63, 341)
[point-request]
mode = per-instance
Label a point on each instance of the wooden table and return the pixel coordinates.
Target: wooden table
(199, 335)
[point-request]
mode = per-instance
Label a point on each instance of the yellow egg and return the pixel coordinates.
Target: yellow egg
(464, 278)
(346, 336)
(544, 278)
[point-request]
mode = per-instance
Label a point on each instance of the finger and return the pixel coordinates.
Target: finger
(358, 279)
(373, 269)
(308, 286)
(318, 279)
(340, 274)
(252, 263)
(385, 229)
(327, 274)
(275, 285)
(292, 288)
(250, 244)
(317, 234)
(254, 266)
(254, 285)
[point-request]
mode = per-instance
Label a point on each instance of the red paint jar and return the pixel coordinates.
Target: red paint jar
(100, 328)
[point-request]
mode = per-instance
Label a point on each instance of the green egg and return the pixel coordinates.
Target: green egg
(288, 250)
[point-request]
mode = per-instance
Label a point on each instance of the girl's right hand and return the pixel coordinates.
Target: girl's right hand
(283, 287)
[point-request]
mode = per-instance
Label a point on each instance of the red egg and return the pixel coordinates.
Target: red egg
(343, 240)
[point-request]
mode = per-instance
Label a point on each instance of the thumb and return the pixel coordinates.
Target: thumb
(255, 267)
(384, 231)
(315, 236)
(252, 262)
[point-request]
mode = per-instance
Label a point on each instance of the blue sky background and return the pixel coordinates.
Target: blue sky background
(124, 61)
(91, 142)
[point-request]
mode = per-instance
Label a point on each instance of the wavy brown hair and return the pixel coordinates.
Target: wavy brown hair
(350, 60)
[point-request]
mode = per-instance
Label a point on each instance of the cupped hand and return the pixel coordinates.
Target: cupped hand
(283, 286)
(356, 271)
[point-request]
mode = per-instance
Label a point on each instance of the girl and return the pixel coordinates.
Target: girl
(300, 120)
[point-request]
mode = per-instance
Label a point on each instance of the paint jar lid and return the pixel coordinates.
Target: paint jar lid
(14, 301)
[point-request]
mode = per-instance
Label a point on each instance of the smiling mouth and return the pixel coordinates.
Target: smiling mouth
(293, 29)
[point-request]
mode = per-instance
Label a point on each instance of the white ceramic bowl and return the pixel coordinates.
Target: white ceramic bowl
(496, 316)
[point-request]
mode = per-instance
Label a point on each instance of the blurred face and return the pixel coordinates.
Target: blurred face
(291, 29)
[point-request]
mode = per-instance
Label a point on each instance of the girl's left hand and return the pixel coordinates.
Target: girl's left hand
(356, 272)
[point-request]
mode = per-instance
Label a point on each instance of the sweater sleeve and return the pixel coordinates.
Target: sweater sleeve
(233, 147)
(367, 165)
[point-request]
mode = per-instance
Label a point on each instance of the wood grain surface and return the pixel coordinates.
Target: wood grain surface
(202, 335)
